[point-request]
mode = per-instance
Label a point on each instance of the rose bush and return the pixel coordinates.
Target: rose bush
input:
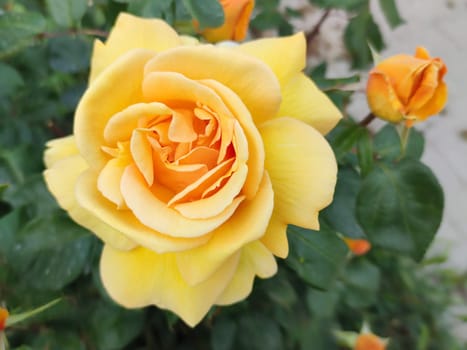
(405, 87)
(189, 161)
(237, 15)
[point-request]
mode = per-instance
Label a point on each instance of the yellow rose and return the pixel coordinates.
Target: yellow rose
(237, 15)
(189, 161)
(404, 87)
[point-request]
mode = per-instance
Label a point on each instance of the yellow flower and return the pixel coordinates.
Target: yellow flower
(405, 87)
(189, 161)
(237, 15)
(358, 246)
(3, 317)
(369, 341)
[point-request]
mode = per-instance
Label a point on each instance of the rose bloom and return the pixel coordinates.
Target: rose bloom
(189, 161)
(358, 246)
(237, 15)
(369, 341)
(3, 317)
(405, 87)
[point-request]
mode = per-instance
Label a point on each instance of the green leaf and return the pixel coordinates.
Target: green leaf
(50, 252)
(57, 340)
(149, 8)
(387, 144)
(11, 80)
(209, 13)
(318, 74)
(365, 152)
(362, 280)
(223, 334)
(17, 31)
(69, 54)
(258, 332)
(344, 137)
(321, 303)
(341, 214)
(391, 12)
(113, 327)
(360, 31)
(316, 256)
(400, 207)
(280, 290)
(67, 13)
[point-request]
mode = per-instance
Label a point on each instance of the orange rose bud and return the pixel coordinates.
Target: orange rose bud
(358, 246)
(237, 15)
(369, 341)
(405, 87)
(3, 317)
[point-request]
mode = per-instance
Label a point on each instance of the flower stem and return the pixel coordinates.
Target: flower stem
(405, 133)
(367, 120)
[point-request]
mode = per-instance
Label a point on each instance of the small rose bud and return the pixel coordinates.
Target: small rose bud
(237, 19)
(358, 246)
(3, 317)
(369, 341)
(405, 87)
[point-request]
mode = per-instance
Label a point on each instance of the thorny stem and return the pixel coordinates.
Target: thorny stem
(93, 32)
(315, 31)
(367, 120)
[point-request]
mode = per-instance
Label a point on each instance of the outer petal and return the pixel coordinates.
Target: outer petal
(130, 32)
(91, 199)
(301, 99)
(303, 170)
(286, 56)
(141, 277)
(435, 104)
(256, 259)
(247, 224)
(240, 72)
(382, 98)
(116, 89)
(275, 238)
(61, 179)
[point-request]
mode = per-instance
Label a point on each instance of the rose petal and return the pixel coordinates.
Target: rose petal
(256, 259)
(303, 170)
(109, 179)
(61, 179)
(247, 224)
(90, 198)
(238, 71)
(116, 88)
(141, 277)
(155, 214)
(130, 32)
(302, 100)
(275, 238)
(286, 56)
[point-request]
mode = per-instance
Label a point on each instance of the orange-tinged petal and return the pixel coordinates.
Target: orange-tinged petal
(425, 89)
(141, 152)
(247, 224)
(130, 32)
(154, 213)
(116, 88)
(369, 341)
(255, 260)
(358, 246)
(303, 170)
(61, 180)
(435, 104)
(141, 277)
(4, 314)
(382, 98)
(124, 221)
(121, 125)
(255, 143)
(237, 15)
(286, 56)
(240, 72)
(302, 100)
